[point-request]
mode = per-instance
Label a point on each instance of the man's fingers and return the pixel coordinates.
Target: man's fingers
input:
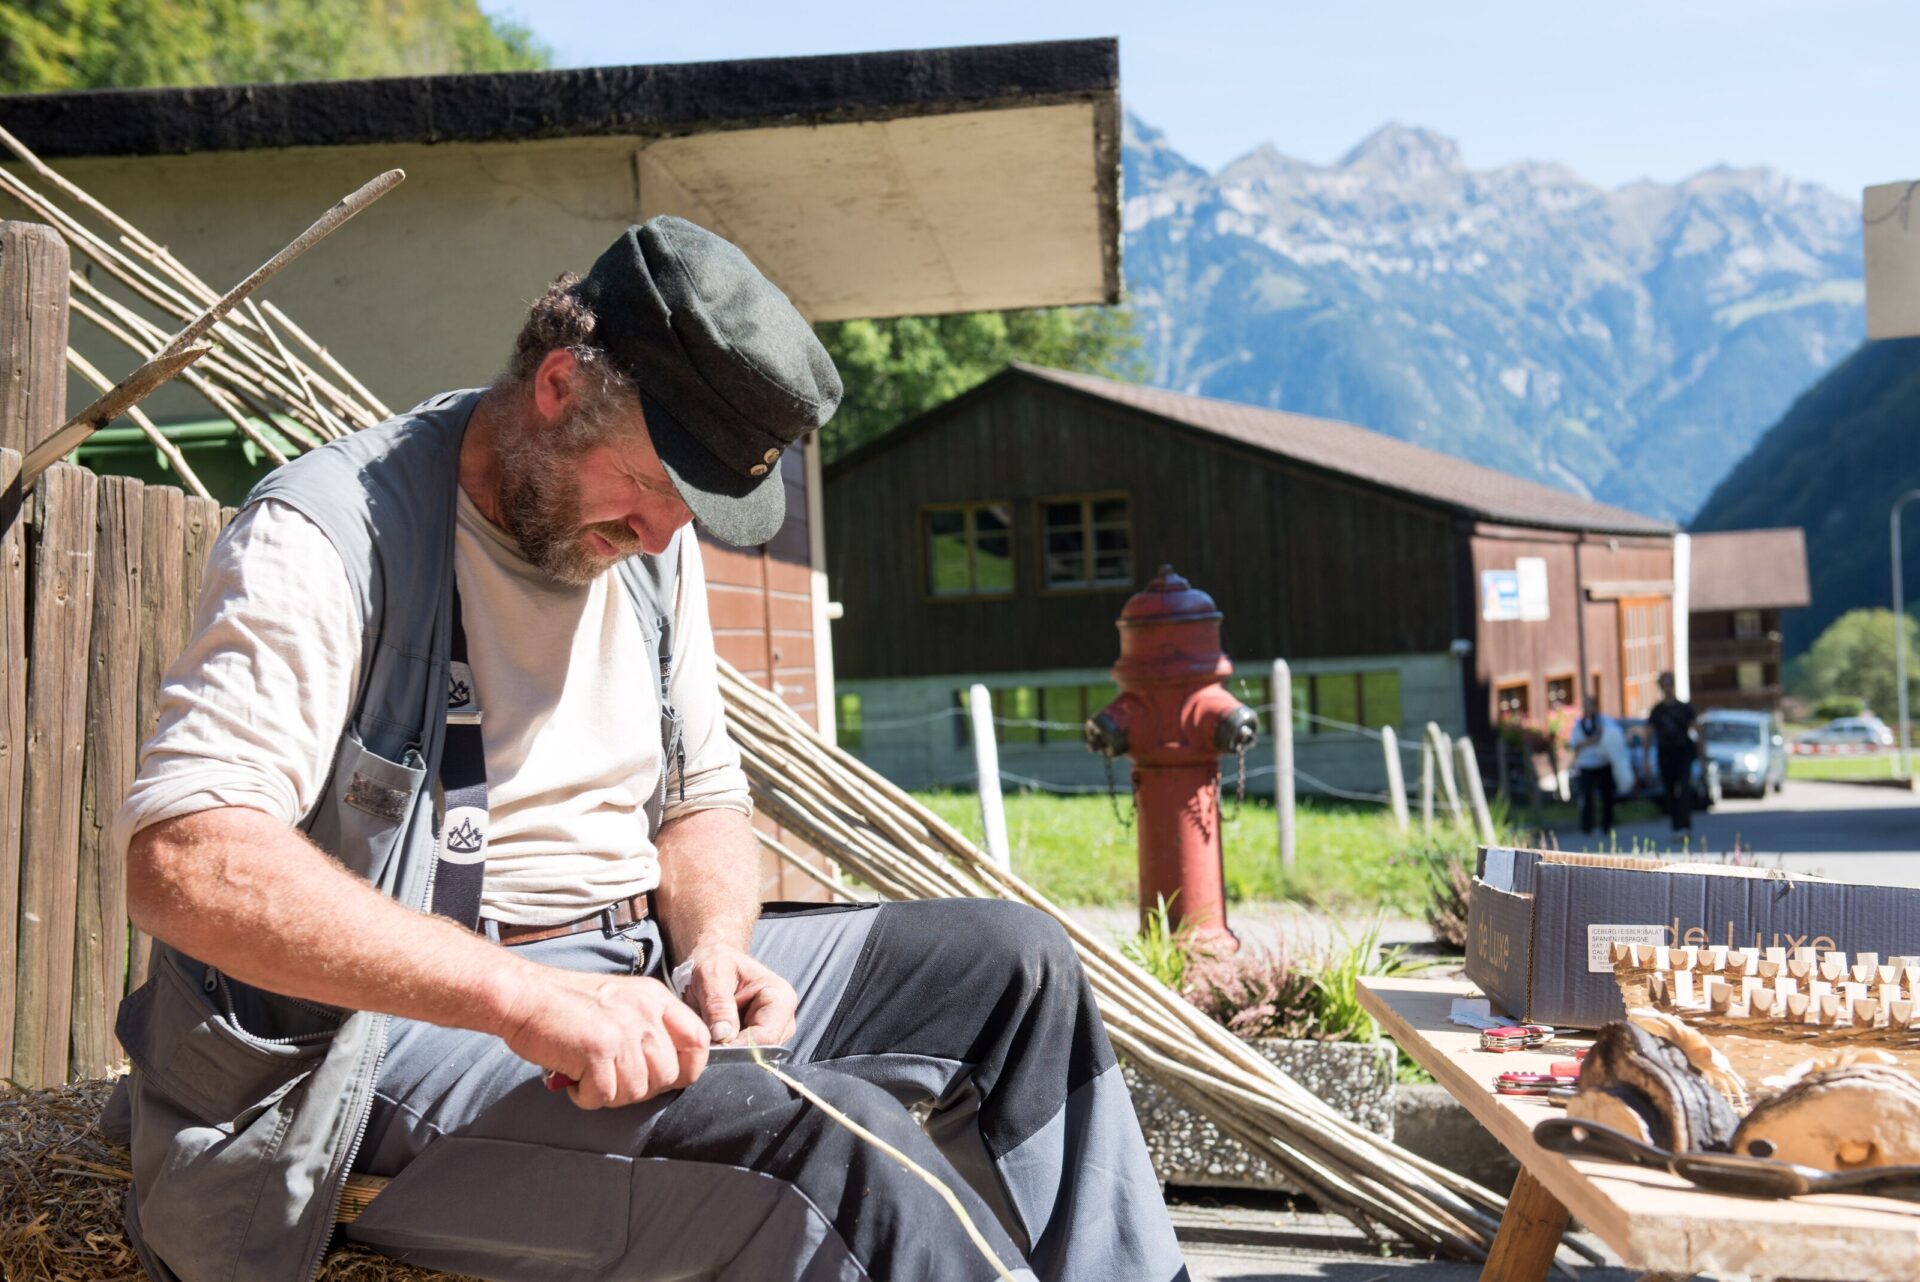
(713, 989)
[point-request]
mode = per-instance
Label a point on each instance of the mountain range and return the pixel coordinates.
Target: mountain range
(1628, 344)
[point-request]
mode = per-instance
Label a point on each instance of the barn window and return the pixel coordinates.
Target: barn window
(1747, 625)
(969, 548)
(1512, 701)
(1087, 542)
(1341, 701)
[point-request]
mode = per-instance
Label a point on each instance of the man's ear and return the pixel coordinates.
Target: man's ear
(553, 385)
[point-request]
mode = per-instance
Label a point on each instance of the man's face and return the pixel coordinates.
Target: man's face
(575, 513)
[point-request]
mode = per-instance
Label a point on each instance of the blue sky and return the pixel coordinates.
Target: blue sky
(1825, 90)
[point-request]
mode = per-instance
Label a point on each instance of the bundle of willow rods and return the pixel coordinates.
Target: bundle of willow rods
(252, 378)
(846, 811)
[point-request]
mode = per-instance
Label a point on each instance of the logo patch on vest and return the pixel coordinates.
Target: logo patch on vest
(464, 835)
(460, 688)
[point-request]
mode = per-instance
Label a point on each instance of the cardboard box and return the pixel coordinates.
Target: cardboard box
(1540, 924)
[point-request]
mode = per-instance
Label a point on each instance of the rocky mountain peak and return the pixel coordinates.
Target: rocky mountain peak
(1405, 151)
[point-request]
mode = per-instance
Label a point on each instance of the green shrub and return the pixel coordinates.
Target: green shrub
(1163, 950)
(1839, 705)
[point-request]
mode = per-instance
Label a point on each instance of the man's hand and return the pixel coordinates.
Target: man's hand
(734, 993)
(621, 1038)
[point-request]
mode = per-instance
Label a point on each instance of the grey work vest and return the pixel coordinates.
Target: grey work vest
(246, 1107)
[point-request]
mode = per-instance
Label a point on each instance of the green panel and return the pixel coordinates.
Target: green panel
(992, 549)
(1336, 697)
(847, 721)
(1380, 699)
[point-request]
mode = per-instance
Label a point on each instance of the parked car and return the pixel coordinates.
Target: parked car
(1645, 758)
(1865, 731)
(1748, 747)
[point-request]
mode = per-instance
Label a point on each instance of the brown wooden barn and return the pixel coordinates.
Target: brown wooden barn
(997, 537)
(1742, 581)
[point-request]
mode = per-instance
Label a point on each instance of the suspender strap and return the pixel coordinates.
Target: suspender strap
(460, 852)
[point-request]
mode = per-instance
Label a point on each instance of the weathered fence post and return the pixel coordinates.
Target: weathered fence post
(1443, 762)
(1426, 783)
(13, 733)
(1282, 693)
(1476, 792)
(162, 604)
(1396, 778)
(986, 763)
(63, 516)
(33, 396)
(113, 665)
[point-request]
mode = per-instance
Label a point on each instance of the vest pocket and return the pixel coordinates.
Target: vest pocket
(189, 1050)
(368, 802)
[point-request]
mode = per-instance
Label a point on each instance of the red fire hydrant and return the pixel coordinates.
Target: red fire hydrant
(1175, 718)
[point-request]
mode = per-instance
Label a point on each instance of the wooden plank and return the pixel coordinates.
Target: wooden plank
(113, 666)
(60, 559)
(1655, 1221)
(1529, 1235)
(162, 546)
(13, 731)
(201, 528)
(33, 334)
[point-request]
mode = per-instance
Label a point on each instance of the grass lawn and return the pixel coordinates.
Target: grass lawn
(1347, 857)
(1880, 765)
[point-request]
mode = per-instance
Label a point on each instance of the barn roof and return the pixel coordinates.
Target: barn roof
(1750, 570)
(1355, 452)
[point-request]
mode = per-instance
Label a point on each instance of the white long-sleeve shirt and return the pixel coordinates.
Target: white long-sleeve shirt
(252, 711)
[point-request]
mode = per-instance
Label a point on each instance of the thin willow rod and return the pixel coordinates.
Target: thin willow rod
(217, 398)
(168, 450)
(326, 358)
(818, 831)
(143, 283)
(335, 429)
(789, 770)
(240, 385)
(796, 861)
(1331, 1144)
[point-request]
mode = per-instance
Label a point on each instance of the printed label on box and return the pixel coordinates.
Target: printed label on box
(1602, 938)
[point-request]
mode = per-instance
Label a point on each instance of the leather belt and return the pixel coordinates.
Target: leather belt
(608, 919)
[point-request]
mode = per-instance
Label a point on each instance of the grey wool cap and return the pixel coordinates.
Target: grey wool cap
(730, 374)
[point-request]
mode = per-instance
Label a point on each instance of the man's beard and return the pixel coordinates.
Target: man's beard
(540, 507)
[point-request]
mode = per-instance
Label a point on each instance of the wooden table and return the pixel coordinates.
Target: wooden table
(1655, 1221)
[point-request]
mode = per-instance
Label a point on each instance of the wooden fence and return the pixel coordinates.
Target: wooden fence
(98, 576)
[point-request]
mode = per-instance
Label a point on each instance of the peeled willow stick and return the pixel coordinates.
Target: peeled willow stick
(168, 450)
(115, 401)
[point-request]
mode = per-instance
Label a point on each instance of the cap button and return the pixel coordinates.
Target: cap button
(758, 469)
(772, 455)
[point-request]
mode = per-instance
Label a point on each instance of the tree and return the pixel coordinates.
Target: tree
(128, 44)
(896, 369)
(1855, 656)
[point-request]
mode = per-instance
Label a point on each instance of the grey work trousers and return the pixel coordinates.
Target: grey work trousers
(975, 1012)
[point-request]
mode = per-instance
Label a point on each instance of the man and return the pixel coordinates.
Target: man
(442, 793)
(1676, 743)
(1594, 753)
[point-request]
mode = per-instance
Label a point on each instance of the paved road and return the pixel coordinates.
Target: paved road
(1851, 832)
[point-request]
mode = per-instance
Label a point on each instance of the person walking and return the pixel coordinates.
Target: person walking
(1593, 764)
(1676, 743)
